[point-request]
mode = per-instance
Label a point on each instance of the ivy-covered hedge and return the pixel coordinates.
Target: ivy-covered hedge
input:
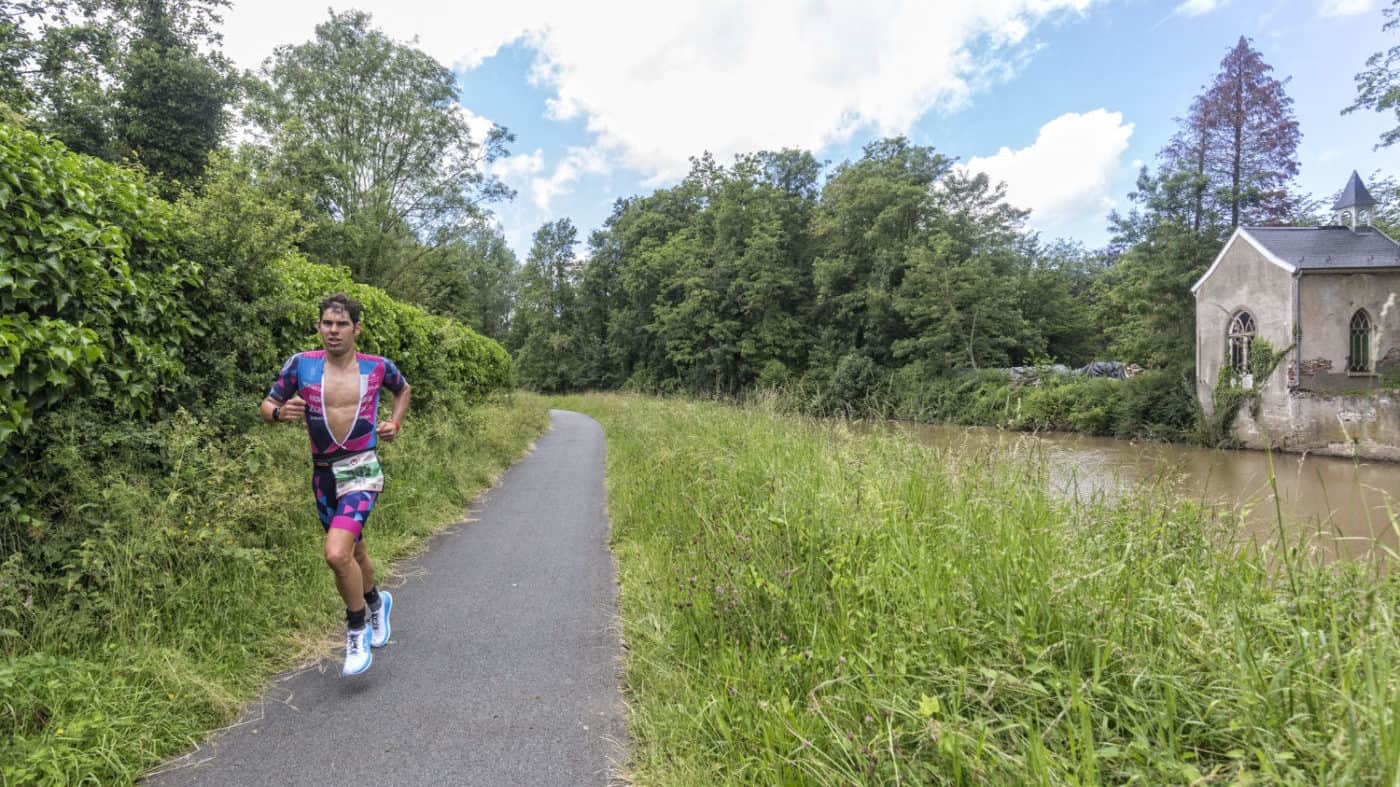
(104, 314)
(92, 295)
(443, 360)
(91, 284)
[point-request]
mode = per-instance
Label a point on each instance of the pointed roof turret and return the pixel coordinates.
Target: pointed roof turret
(1354, 195)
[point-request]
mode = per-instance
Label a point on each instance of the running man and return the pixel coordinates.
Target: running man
(336, 390)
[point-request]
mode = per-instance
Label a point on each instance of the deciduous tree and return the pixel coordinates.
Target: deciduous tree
(1237, 148)
(372, 131)
(1378, 86)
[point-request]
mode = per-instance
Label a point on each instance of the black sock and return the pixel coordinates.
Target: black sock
(355, 620)
(372, 597)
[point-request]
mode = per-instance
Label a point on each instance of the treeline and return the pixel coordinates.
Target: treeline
(358, 139)
(765, 273)
(890, 283)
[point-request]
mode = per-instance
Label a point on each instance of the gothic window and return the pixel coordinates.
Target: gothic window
(1241, 336)
(1359, 359)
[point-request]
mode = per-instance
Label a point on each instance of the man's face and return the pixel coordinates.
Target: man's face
(337, 332)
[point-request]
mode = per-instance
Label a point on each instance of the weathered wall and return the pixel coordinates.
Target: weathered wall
(1365, 426)
(1327, 303)
(1244, 280)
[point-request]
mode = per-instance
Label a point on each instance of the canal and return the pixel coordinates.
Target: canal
(1349, 505)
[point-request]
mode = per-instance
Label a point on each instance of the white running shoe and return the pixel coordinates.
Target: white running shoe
(379, 621)
(357, 655)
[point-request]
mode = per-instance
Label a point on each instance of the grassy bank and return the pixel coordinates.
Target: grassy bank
(805, 605)
(197, 579)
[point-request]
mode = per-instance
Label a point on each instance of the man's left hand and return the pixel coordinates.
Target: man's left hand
(387, 431)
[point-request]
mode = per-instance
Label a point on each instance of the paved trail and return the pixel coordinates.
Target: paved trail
(504, 663)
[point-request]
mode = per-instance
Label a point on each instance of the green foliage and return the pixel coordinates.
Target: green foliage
(542, 327)
(446, 362)
(235, 228)
(1231, 393)
(758, 274)
(93, 290)
(808, 603)
(366, 132)
(169, 109)
(1378, 86)
(1154, 405)
(471, 280)
(120, 79)
(1145, 299)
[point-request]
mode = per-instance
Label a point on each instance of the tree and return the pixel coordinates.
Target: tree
(371, 131)
(1378, 87)
(1144, 302)
(542, 333)
(169, 111)
(1237, 148)
(871, 212)
(959, 294)
(470, 279)
(120, 79)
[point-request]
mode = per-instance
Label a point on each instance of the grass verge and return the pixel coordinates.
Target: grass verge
(803, 604)
(190, 587)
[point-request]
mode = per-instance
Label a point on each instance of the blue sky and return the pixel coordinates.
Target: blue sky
(1061, 99)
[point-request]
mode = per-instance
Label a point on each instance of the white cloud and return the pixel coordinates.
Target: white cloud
(656, 83)
(525, 173)
(517, 169)
(479, 126)
(1345, 7)
(1199, 7)
(577, 163)
(1064, 177)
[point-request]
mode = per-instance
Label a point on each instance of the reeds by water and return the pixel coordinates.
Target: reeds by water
(805, 604)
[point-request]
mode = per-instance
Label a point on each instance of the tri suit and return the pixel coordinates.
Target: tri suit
(346, 476)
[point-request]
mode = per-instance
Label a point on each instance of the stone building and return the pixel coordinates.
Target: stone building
(1329, 295)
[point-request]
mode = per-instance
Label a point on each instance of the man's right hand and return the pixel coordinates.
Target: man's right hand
(293, 409)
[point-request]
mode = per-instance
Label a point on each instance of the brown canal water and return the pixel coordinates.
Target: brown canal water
(1350, 505)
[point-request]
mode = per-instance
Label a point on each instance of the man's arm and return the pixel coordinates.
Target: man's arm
(389, 429)
(291, 410)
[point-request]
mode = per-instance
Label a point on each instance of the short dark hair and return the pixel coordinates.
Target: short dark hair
(342, 303)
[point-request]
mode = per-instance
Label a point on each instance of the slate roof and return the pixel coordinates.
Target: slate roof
(1327, 248)
(1354, 195)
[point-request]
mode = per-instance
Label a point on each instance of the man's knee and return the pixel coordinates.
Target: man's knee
(339, 556)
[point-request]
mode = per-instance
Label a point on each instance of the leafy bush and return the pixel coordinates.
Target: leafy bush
(92, 292)
(235, 229)
(444, 360)
(1155, 405)
(91, 284)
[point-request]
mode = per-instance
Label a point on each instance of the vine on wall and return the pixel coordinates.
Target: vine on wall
(1231, 394)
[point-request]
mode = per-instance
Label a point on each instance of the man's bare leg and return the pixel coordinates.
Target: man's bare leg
(341, 557)
(366, 565)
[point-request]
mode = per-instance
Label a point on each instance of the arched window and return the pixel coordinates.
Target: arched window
(1360, 358)
(1241, 336)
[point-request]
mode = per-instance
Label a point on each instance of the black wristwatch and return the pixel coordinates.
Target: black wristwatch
(277, 413)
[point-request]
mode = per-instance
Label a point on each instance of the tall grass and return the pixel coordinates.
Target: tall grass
(804, 604)
(194, 578)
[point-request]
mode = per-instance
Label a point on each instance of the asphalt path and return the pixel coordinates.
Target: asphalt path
(504, 663)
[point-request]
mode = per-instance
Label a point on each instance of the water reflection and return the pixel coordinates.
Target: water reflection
(1347, 502)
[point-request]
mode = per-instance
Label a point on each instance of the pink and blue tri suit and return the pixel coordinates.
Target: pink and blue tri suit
(301, 376)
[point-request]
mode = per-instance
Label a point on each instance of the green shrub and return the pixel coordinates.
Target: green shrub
(1154, 405)
(91, 284)
(444, 360)
(92, 289)
(1157, 405)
